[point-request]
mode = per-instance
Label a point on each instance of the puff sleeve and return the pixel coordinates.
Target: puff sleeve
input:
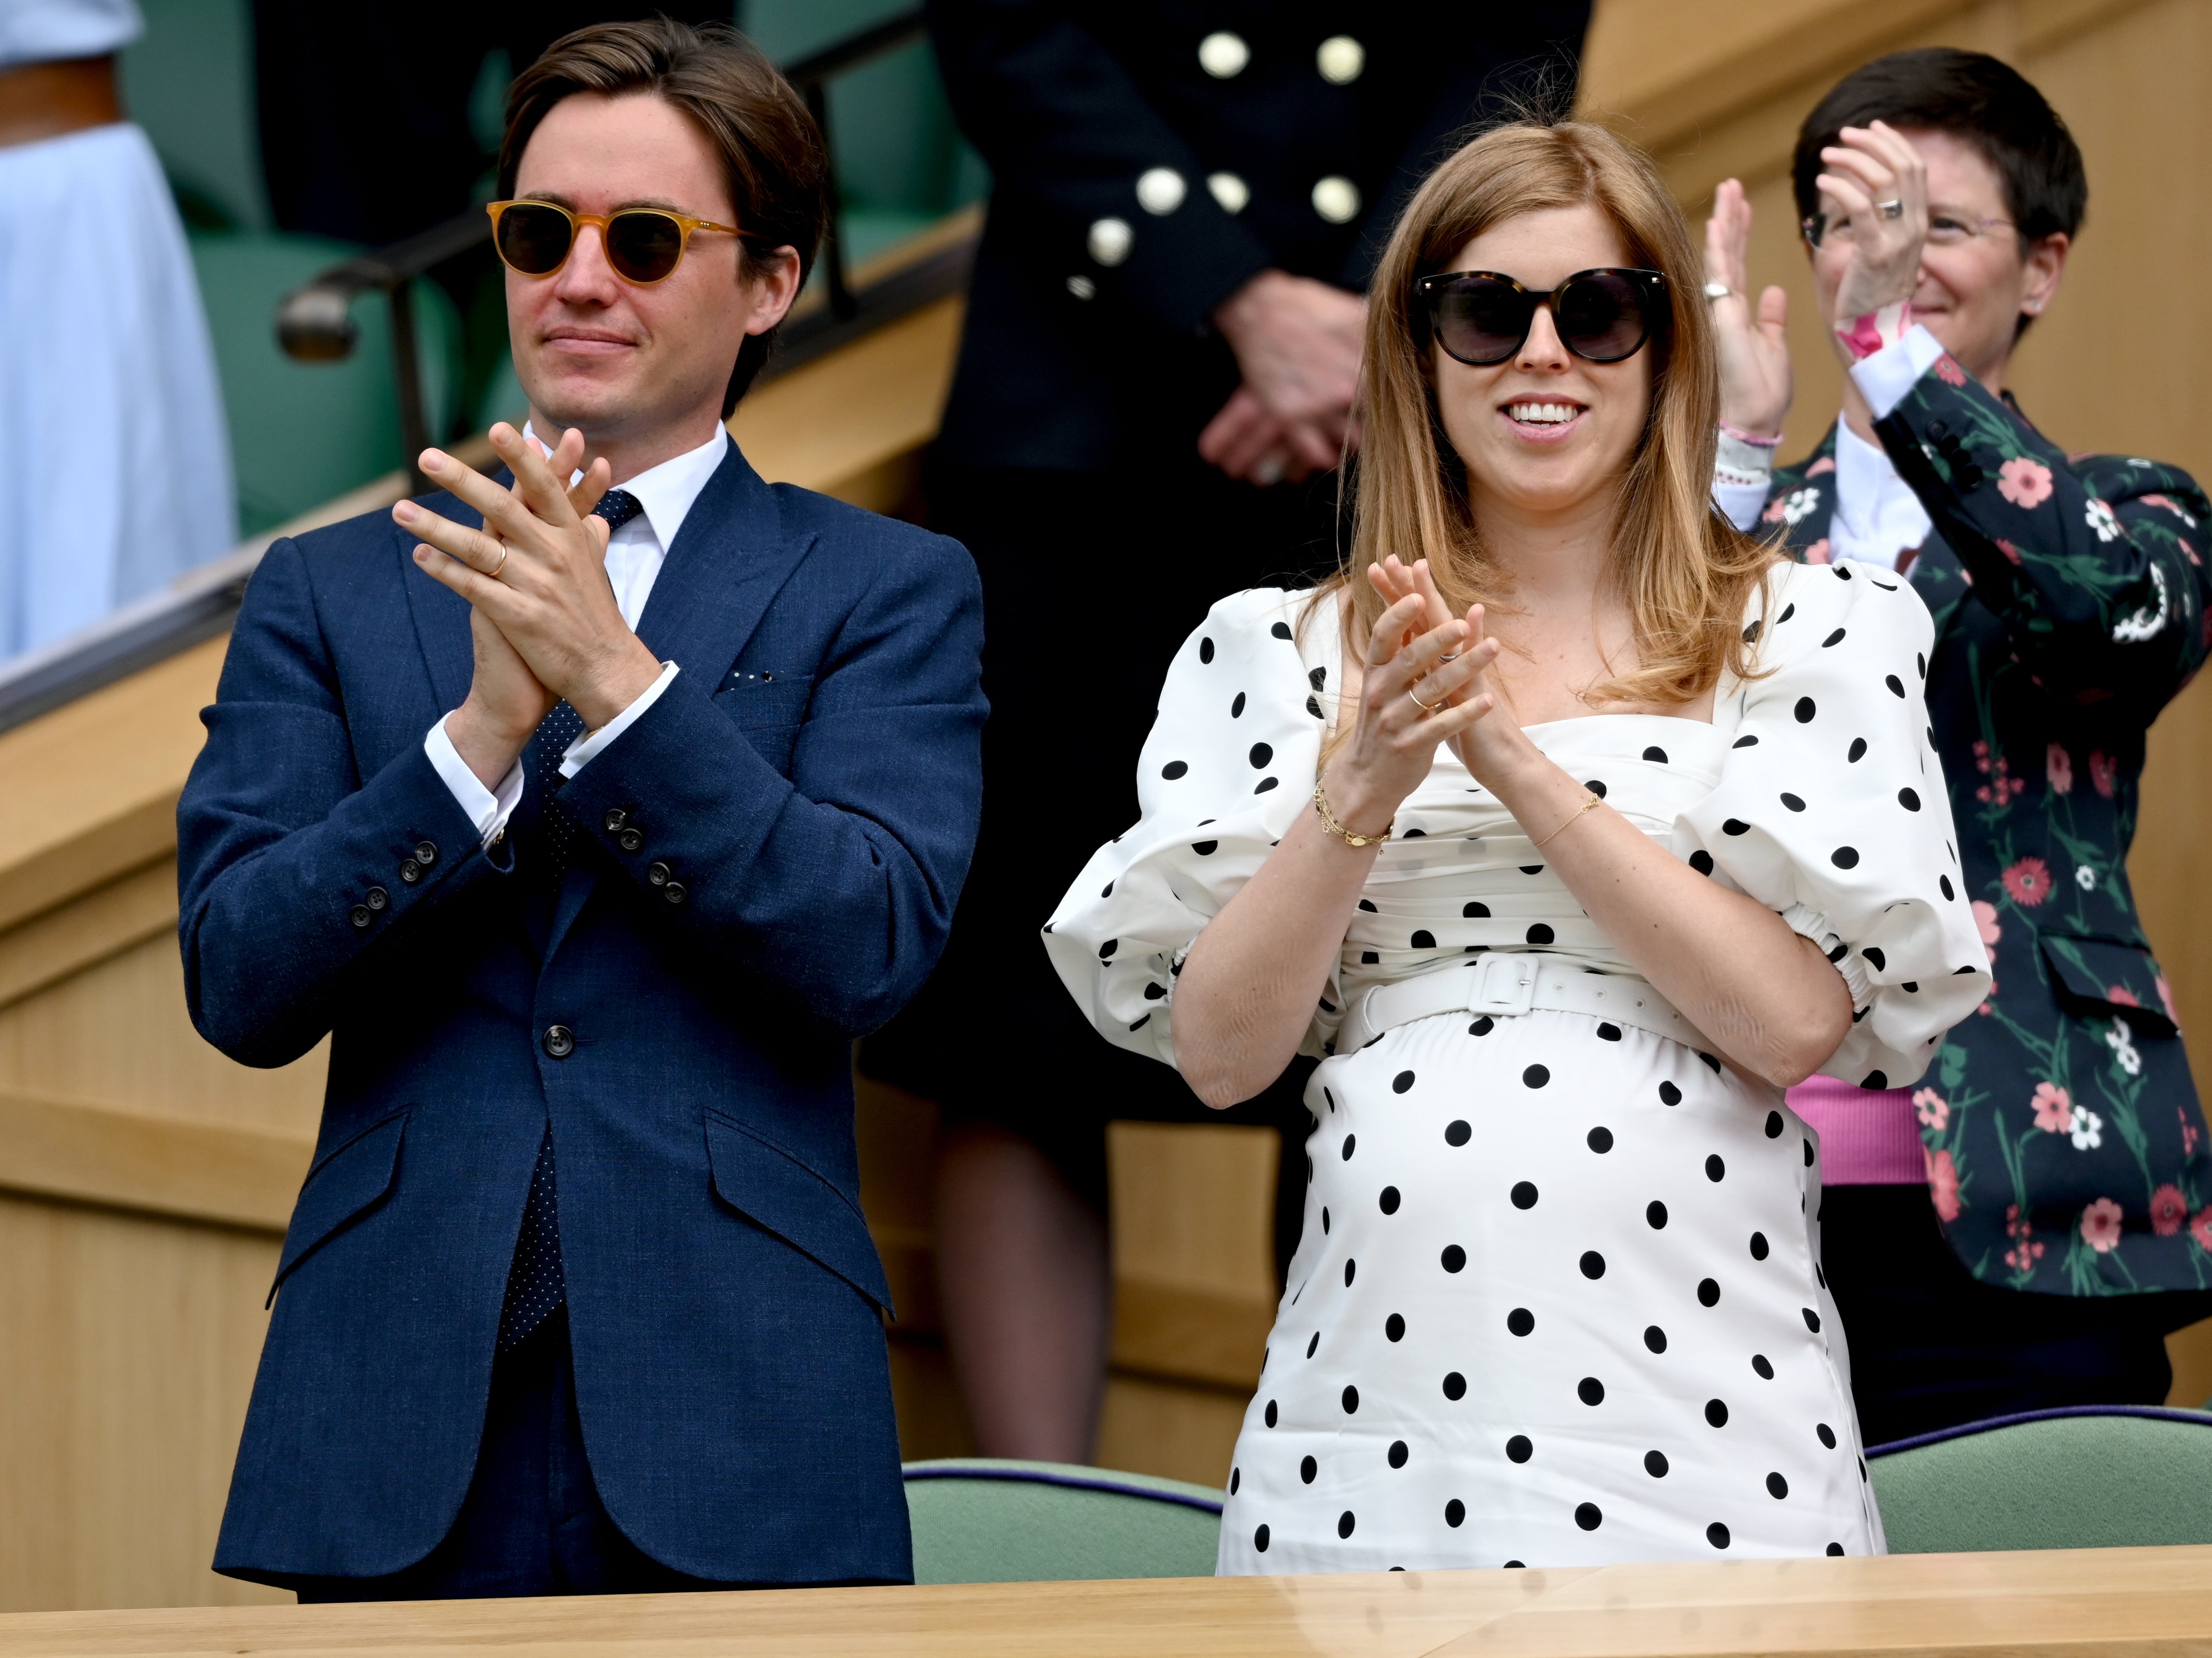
(1832, 810)
(1229, 765)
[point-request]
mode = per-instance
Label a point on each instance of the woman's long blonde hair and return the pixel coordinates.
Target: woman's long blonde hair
(1686, 572)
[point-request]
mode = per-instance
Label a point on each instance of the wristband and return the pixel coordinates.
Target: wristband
(1756, 442)
(1742, 461)
(1866, 334)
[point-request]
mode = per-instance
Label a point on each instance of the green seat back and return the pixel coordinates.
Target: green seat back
(2051, 1479)
(977, 1520)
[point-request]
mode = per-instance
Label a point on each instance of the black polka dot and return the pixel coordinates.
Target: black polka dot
(1454, 1258)
(1107, 949)
(1844, 857)
(1895, 684)
(1944, 882)
(1260, 1539)
(1873, 953)
(1876, 1079)
(1717, 1413)
(1774, 1125)
(1709, 1292)
(1324, 1220)
(1909, 798)
(1536, 1076)
(1454, 1386)
(1608, 1033)
(1389, 1200)
(1835, 638)
(1422, 939)
(1827, 1434)
(1588, 1516)
(1735, 826)
(1395, 1326)
(1458, 1132)
(1594, 787)
(1593, 1264)
(1308, 1469)
(1777, 1486)
(1809, 1153)
(1812, 1319)
(1521, 1321)
(1402, 1082)
(1761, 1363)
(1455, 1512)
(1518, 1449)
(1758, 1246)
(1398, 1453)
(1835, 1548)
(1313, 707)
(1702, 861)
(1236, 1478)
(1745, 741)
(1349, 1141)
(1712, 1063)
(1788, 611)
(1205, 654)
(1344, 1523)
(1655, 1464)
(1482, 1026)
(1655, 1338)
(1538, 934)
(1351, 1399)
(1793, 803)
(1669, 1094)
(1259, 755)
(1599, 1140)
(1523, 1194)
(1350, 1269)
(1590, 1390)
(1281, 631)
(1716, 1170)
(1155, 991)
(1272, 1413)
(1804, 711)
(1717, 1535)
(1174, 768)
(1475, 911)
(1511, 1564)
(1655, 1213)
(1205, 848)
(1368, 905)
(1264, 785)
(1532, 869)
(1313, 1344)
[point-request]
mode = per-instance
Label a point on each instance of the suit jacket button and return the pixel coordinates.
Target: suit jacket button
(376, 898)
(1938, 430)
(658, 872)
(560, 1041)
(673, 892)
(410, 871)
(360, 915)
(616, 818)
(629, 840)
(425, 852)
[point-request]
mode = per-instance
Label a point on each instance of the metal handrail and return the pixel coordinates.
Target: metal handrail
(314, 321)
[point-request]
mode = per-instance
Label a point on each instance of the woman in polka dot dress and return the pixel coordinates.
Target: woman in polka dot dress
(1620, 827)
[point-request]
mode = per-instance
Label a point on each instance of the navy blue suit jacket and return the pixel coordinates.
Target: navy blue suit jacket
(810, 784)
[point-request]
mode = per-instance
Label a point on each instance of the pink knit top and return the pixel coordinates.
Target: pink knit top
(1869, 1136)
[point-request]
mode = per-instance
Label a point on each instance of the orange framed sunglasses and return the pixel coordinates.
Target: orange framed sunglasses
(644, 244)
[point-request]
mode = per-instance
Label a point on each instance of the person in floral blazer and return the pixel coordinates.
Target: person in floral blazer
(2063, 1155)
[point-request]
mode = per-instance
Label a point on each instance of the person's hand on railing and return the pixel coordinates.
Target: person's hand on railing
(1298, 343)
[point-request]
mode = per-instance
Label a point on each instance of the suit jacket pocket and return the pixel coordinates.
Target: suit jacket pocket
(340, 1188)
(2103, 979)
(780, 1194)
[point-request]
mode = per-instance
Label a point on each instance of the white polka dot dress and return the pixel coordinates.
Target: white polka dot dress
(1558, 1299)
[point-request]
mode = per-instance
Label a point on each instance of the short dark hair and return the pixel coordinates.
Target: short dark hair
(771, 150)
(1973, 97)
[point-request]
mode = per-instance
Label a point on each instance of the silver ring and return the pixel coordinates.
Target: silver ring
(1426, 707)
(1890, 210)
(1269, 472)
(1448, 656)
(1717, 290)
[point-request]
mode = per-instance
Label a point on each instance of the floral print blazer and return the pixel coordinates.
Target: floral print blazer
(2066, 1148)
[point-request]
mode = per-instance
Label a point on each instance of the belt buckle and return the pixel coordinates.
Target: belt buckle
(1504, 982)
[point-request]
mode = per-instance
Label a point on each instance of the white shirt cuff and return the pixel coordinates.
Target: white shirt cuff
(1885, 377)
(1742, 502)
(488, 810)
(588, 747)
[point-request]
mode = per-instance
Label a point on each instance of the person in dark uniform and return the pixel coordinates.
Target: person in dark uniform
(1152, 397)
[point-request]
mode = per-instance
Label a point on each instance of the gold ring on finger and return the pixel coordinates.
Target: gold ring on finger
(494, 572)
(1426, 707)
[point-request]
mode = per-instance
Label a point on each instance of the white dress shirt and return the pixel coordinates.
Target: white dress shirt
(1877, 517)
(636, 553)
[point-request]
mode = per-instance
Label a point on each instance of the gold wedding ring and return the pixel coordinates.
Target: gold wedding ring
(1426, 707)
(494, 572)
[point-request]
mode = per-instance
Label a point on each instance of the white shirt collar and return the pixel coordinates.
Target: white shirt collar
(665, 493)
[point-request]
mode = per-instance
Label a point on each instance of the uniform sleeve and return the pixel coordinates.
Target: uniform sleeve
(1832, 811)
(1229, 766)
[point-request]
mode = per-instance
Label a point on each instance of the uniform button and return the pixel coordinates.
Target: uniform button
(616, 818)
(1938, 430)
(1339, 59)
(1232, 191)
(1108, 240)
(1336, 198)
(1160, 190)
(410, 871)
(1082, 287)
(658, 872)
(360, 916)
(559, 1041)
(425, 852)
(673, 892)
(376, 898)
(629, 840)
(1224, 55)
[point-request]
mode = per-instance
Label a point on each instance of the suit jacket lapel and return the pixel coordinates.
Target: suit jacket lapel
(729, 562)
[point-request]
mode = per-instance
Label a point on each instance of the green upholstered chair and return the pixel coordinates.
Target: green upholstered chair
(2109, 1477)
(977, 1521)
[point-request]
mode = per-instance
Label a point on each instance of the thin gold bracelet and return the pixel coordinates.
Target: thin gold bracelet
(1590, 803)
(1330, 824)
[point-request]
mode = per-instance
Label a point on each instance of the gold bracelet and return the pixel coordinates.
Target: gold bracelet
(1590, 803)
(1330, 824)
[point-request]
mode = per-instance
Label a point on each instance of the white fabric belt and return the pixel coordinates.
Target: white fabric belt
(1502, 983)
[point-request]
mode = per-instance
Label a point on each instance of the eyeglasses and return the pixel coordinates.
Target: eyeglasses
(1481, 318)
(1944, 229)
(644, 244)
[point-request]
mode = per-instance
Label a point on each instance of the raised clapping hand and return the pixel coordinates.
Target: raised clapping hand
(1753, 347)
(1870, 166)
(544, 622)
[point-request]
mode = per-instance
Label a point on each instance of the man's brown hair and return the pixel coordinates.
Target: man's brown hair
(771, 150)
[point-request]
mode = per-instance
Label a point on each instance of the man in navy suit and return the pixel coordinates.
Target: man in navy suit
(592, 824)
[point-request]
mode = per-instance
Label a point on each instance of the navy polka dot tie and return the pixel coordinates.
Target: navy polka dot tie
(618, 507)
(564, 724)
(535, 1286)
